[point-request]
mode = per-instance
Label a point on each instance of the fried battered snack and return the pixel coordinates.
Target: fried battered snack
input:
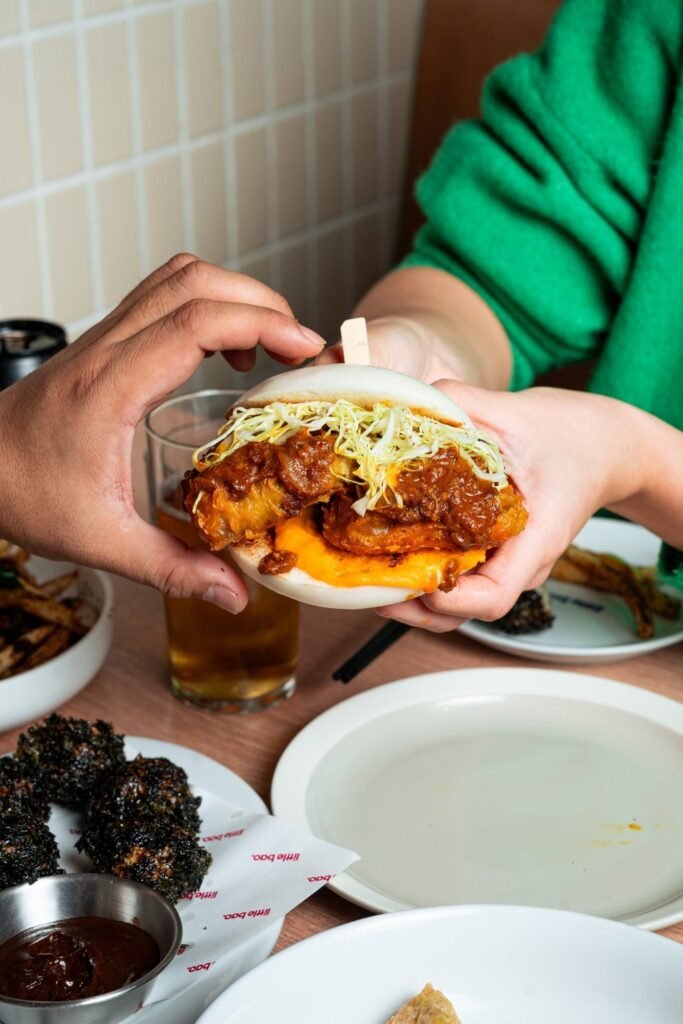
(28, 850)
(428, 1007)
(531, 613)
(164, 856)
(263, 484)
(145, 789)
(21, 790)
(71, 756)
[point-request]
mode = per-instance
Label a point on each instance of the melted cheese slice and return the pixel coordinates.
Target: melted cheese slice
(420, 571)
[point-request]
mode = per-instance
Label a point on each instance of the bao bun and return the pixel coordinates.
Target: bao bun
(363, 385)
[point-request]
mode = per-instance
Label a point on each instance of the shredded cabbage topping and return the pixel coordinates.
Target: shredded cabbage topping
(382, 441)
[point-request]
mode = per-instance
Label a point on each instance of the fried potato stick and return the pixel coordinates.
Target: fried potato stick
(612, 575)
(44, 608)
(57, 641)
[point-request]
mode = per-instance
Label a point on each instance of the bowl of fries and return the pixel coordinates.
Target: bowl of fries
(56, 625)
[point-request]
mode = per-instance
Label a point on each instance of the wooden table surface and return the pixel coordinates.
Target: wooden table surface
(132, 692)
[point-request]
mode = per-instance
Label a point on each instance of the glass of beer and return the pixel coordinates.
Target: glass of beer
(219, 662)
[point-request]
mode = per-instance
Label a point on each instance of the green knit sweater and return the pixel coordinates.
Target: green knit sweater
(563, 205)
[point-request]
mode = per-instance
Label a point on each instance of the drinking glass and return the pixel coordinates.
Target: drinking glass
(220, 662)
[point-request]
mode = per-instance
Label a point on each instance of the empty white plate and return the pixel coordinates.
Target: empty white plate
(503, 785)
(497, 965)
(590, 626)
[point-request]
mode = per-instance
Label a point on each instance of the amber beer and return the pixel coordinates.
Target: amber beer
(228, 662)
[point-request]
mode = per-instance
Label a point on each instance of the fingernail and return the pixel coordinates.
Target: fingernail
(225, 598)
(311, 336)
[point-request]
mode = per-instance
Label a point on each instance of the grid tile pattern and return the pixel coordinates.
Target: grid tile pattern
(266, 135)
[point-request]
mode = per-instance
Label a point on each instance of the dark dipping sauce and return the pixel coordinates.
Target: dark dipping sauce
(75, 959)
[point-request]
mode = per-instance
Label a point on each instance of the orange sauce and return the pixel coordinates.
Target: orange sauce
(421, 571)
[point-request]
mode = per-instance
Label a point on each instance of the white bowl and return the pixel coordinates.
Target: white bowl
(28, 695)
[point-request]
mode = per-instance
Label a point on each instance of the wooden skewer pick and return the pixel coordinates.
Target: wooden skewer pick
(355, 345)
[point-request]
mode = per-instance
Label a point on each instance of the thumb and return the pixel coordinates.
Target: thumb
(463, 393)
(148, 555)
(493, 410)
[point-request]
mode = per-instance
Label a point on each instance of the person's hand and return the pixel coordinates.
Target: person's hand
(428, 324)
(407, 346)
(569, 454)
(67, 429)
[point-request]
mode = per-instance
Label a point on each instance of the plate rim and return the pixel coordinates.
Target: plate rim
(301, 757)
(404, 919)
(479, 632)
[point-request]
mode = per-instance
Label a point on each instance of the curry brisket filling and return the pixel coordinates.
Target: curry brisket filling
(437, 504)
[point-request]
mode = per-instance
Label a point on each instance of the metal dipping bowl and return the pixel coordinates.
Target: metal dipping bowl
(60, 897)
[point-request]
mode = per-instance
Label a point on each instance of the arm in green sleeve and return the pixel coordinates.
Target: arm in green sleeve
(539, 205)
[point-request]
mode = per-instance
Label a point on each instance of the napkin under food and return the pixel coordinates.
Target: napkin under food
(262, 868)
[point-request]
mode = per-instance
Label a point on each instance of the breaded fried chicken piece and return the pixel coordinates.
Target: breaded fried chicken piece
(261, 484)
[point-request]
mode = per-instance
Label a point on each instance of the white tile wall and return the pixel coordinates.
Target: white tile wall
(268, 135)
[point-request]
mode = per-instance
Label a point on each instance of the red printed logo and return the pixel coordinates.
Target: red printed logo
(275, 856)
(182, 948)
(201, 967)
(200, 895)
(75, 832)
(223, 835)
(241, 914)
(320, 878)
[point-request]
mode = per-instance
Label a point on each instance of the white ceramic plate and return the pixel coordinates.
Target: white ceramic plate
(30, 695)
(503, 785)
(590, 626)
(498, 965)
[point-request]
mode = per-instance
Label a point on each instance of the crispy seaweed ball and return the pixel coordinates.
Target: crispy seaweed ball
(531, 613)
(21, 791)
(71, 756)
(164, 856)
(145, 789)
(28, 850)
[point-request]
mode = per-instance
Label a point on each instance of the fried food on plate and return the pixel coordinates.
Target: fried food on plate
(22, 790)
(637, 586)
(71, 756)
(37, 620)
(531, 613)
(162, 855)
(352, 488)
(28, 850)
(144, 789)
(428, 1007)
(141, 818)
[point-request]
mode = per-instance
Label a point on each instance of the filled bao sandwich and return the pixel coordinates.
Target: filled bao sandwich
(352, 487)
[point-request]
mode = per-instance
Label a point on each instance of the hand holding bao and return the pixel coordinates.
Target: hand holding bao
(352, 487)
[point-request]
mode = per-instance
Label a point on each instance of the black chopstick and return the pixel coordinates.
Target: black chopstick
(383, 638)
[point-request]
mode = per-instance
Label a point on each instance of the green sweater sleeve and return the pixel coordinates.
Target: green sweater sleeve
(539, 205)
(670, 566)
